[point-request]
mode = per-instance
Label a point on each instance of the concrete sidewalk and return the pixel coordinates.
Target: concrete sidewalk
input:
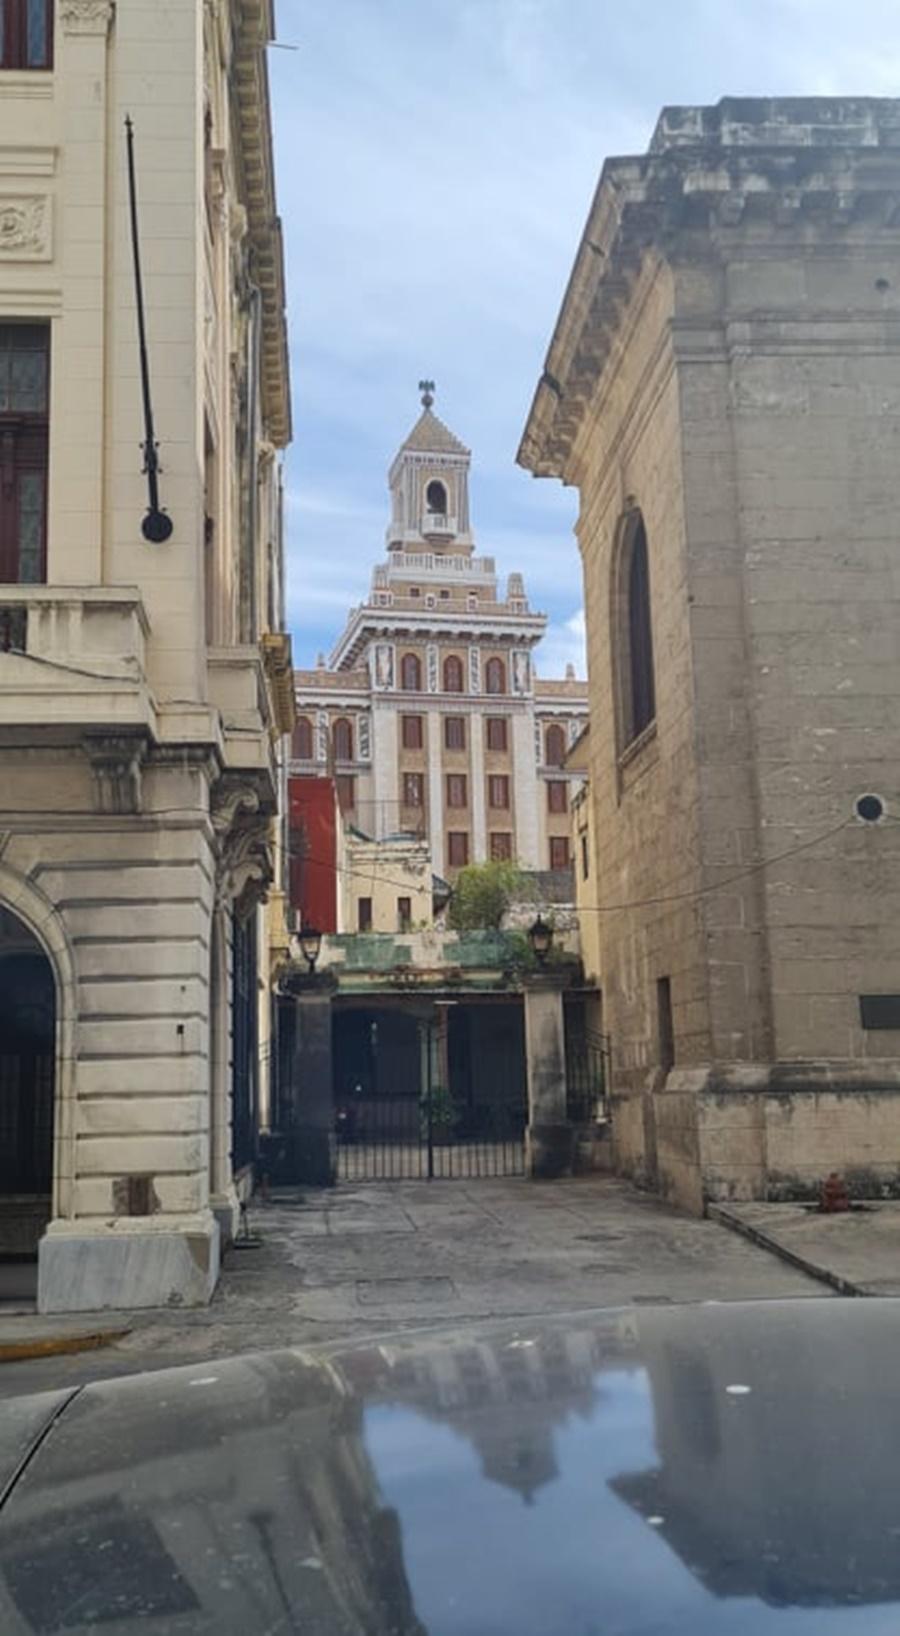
(856, 1252)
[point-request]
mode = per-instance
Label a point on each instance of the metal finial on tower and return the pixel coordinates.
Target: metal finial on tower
(427, 390)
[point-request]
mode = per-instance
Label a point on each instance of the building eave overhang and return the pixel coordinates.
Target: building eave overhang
(255, 29)
(371, 624)
(737, 176)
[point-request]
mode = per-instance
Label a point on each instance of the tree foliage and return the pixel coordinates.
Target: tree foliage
(482, 895)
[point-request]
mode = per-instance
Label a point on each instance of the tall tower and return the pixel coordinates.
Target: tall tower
(430, 711)
(429, 484)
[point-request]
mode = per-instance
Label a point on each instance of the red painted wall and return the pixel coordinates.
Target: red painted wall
(312, 804)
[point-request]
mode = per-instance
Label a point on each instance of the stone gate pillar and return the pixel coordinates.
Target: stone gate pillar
(549, 1137)
(308, 1099)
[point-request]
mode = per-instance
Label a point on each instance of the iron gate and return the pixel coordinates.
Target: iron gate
(396, 1125)
(587, 1077)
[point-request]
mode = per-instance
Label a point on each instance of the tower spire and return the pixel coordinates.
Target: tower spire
(427, 390)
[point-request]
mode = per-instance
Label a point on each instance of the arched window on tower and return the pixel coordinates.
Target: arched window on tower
(495, 676)
(453, 674)
(634, 679)
(411, 673)
(302, 742)
(436, 498)
(342, 739)
(555, 746)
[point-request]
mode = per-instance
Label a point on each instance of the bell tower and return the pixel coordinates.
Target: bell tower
(429, 484)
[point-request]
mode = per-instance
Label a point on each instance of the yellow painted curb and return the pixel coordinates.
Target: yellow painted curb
(58, 1345)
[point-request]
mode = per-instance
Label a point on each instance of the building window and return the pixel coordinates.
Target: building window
(436, 498)
(302, 741)
(412, 732)
(413, 790)
(445, 596)
(414, 590)
(498, 791)
(454, 732)
(404, 914)
(342, 739)
(24, 437)
(26, 33)
(585, 862)
(457, 790)
(635, 685)
(495, 676)
(557, 795)
(555, 746)
(501, 846)
(364, 914)
(453, 674)
(345, 784)
(411, 673)
(496, 733)
(457, 848)
(665, 1024)
(559, 852)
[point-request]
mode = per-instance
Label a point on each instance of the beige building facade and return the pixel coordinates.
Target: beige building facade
(721, 388)
(144, 687)
(430, 711)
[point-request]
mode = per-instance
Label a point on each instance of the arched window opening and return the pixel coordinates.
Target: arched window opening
(495, 676)
(555, 746)
(302, 742)
(637, 663)
(411, 673)
(453, 674)
(342, 738)
(436, 498)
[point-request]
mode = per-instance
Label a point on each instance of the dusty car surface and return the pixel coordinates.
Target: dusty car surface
(706, 1469)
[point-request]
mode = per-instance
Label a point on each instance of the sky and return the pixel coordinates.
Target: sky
(436, 161)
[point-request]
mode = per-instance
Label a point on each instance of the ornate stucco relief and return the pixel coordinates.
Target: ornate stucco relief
(25, 228)
(86, 16)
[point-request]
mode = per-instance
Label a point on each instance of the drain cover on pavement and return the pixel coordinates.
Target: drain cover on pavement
(383, 1292)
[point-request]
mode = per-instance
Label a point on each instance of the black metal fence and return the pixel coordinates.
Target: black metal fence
(587, 1077)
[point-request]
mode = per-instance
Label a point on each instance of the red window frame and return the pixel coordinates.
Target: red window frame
(555, 746)
(342, 739)
(557, 795)
(412, 732)
(24, 452)
(14, 36)
(410, 673)
(457, 848)
(497, 733)
(559, 852)
(454, 732)
(498, 792)
(302, 741)
(501, 846)
(454, 675)
(495, 677)
(457, 790)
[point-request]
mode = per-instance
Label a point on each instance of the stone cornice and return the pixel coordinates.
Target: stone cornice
(254, 29)
(699, 197)
(86, 16)
(393, 624)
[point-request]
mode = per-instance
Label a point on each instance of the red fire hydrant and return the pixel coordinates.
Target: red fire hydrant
(834, 1195)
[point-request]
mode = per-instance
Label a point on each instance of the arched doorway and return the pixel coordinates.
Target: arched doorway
(27, 1062)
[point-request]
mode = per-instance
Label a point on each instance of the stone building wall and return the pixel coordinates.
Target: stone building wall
(726, 367)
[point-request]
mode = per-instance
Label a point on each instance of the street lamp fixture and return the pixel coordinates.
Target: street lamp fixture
(310, 945)
(540, 936)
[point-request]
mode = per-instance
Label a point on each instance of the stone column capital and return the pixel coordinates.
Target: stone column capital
(86, 16)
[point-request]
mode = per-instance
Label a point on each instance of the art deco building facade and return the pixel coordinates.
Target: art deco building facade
(144, 682)
(430, 712)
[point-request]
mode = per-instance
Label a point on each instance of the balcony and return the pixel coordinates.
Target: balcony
(238, 690)
(436, 525)
(73, 657)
